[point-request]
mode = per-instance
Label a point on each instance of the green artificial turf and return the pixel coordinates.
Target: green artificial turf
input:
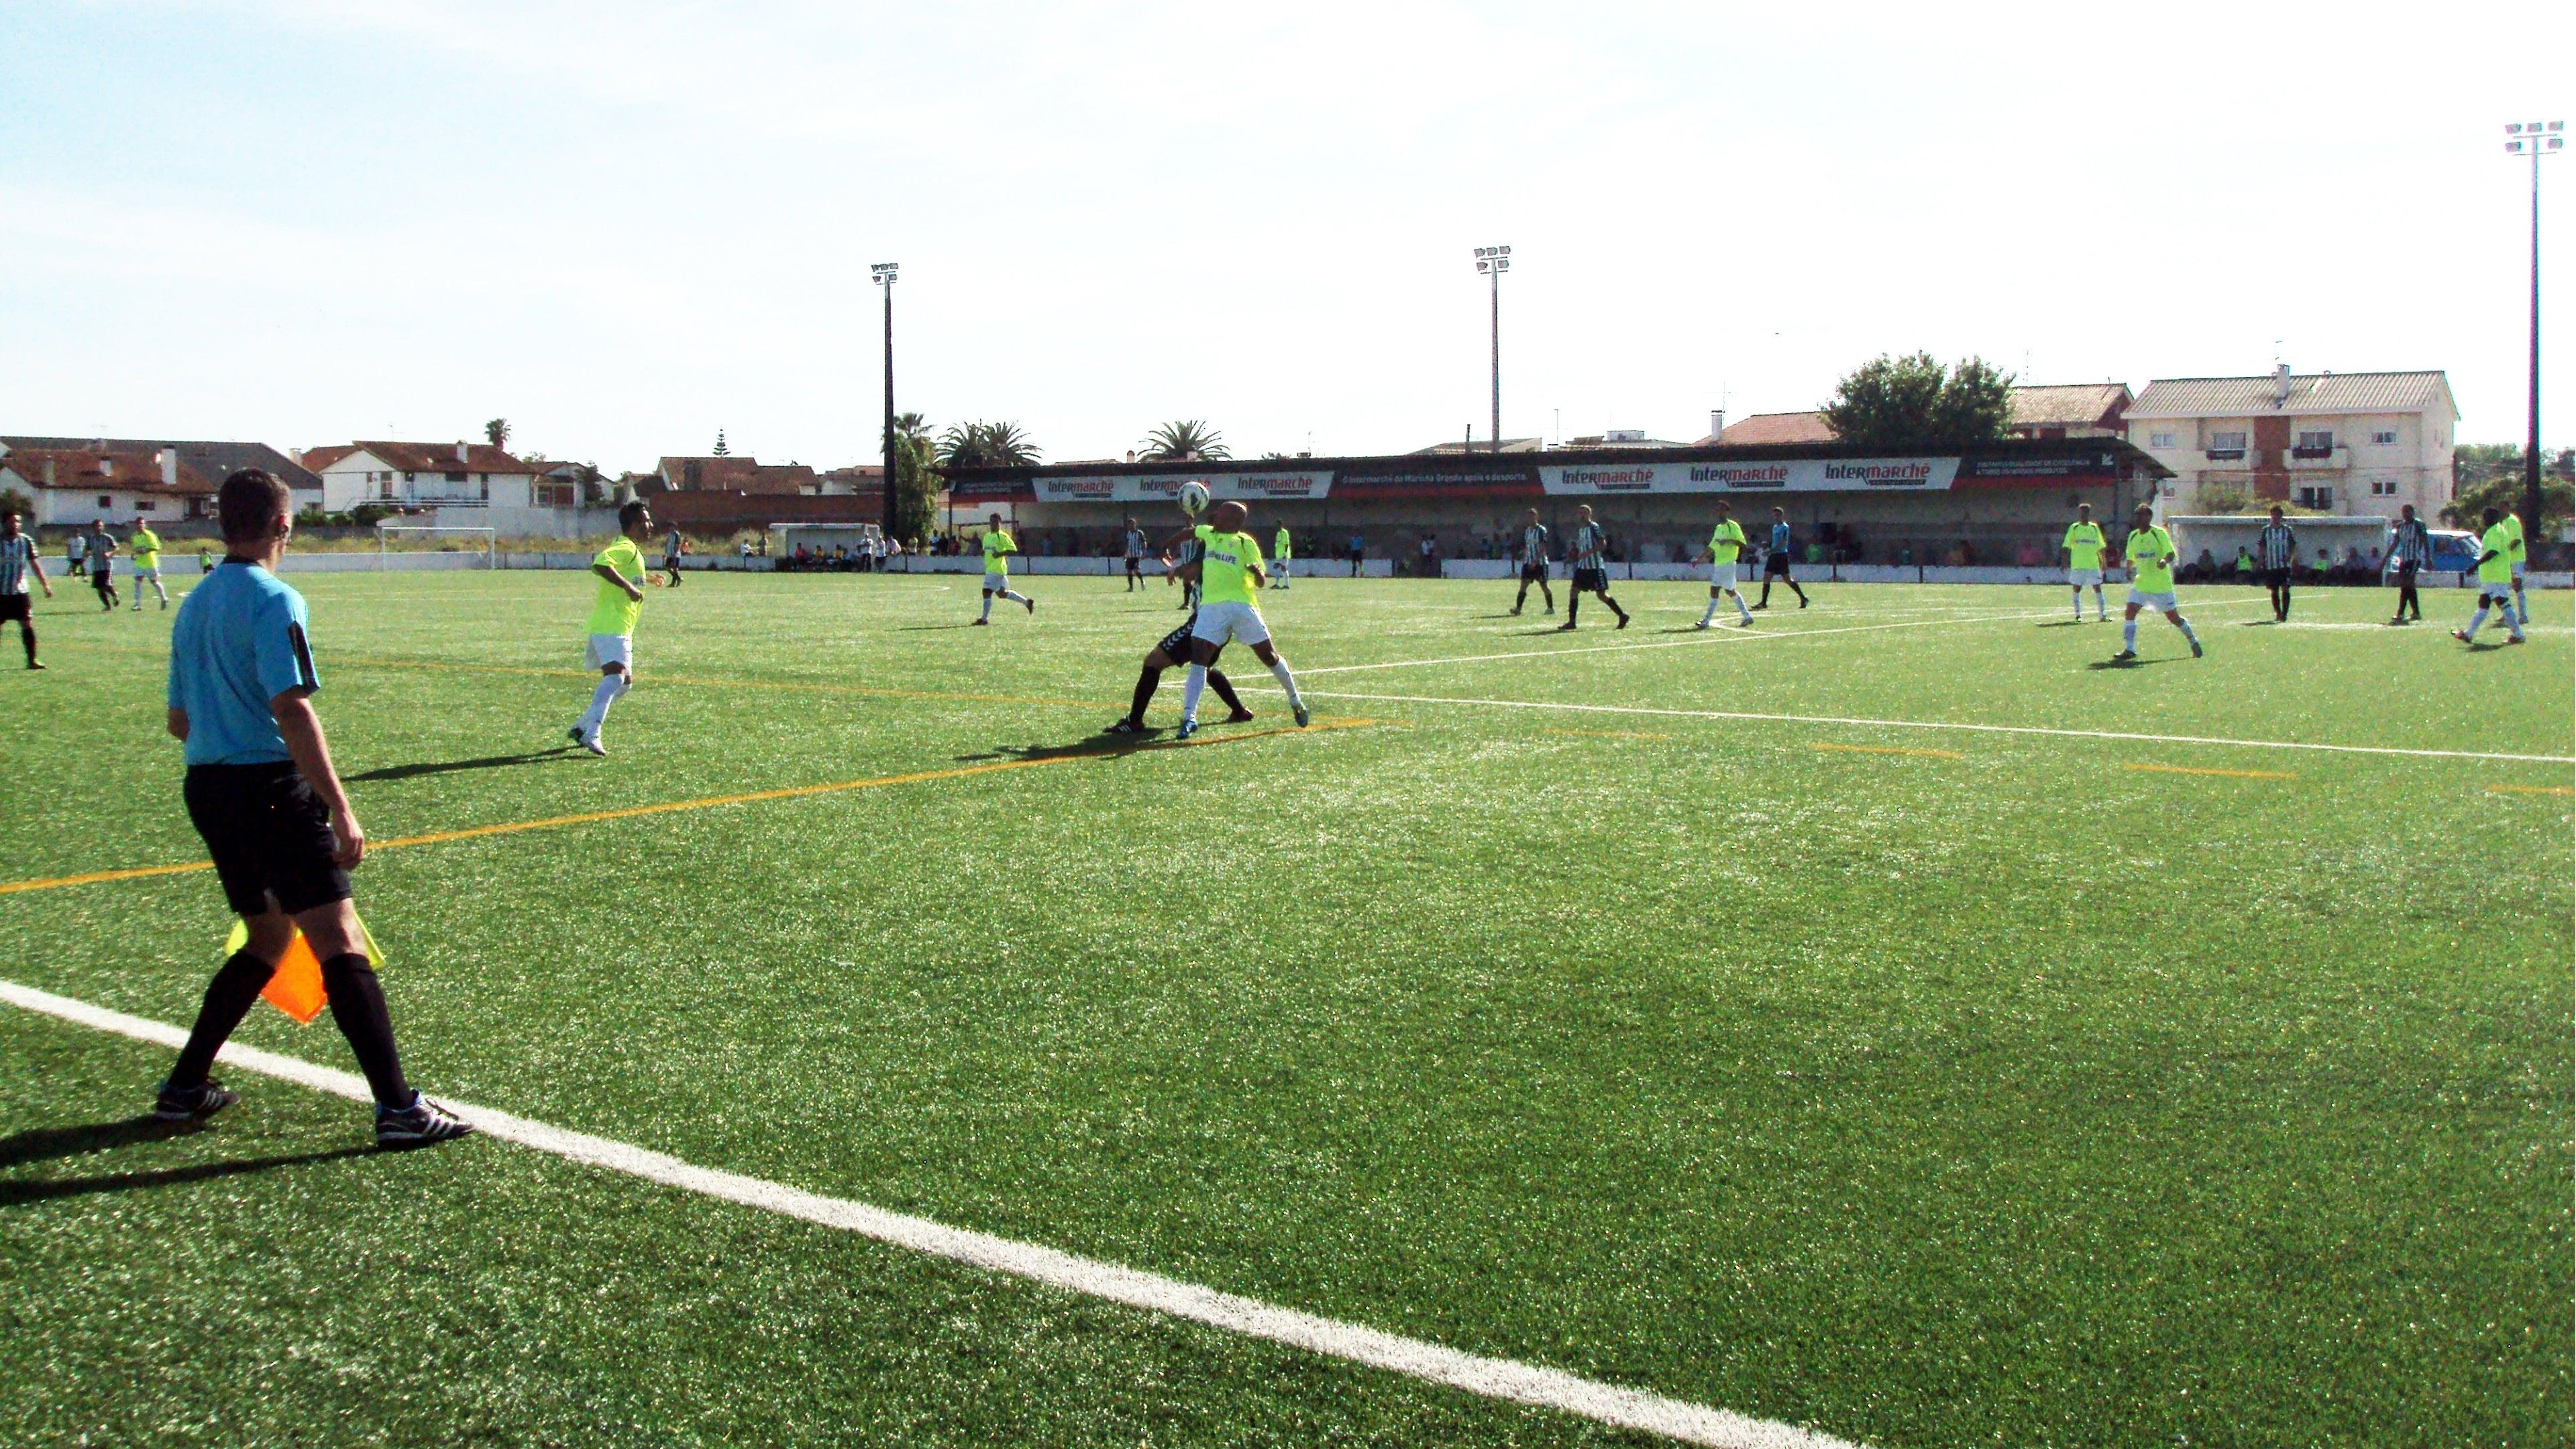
(2020, 1089)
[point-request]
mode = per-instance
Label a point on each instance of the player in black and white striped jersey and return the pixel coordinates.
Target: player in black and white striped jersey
(1587, 553)
(17, 561)
(2277, 550)
(2410, 552)
(1534, 549)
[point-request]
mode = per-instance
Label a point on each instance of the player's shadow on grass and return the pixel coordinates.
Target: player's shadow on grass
(446, 767)
(918, 628)
(2130, 663)
(1109, 747)
(46, 1190)
(2061, 624)
(43, 1144)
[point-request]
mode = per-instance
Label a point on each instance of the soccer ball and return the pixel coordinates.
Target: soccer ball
(1194, 498)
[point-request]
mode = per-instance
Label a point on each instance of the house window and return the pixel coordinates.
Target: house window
(455, 477)
(2383, 488)
(386, 488)
(143, 505)
(107, 501)
(2385, 437)
(2319, 496)
(2313, 445)
(408, 478)
(2160, 440)
(2227, 445)
(487, 478)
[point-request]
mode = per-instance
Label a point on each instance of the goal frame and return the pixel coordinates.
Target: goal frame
(491, 540)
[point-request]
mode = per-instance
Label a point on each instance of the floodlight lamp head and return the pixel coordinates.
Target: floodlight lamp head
(2513, 128)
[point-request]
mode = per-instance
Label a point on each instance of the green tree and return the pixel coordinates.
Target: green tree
(721, 450)
(1186, 440)
(14, 501)
(986, 445)
(917, 482)
(2503, 491)
(1899, 404)
(498, 432)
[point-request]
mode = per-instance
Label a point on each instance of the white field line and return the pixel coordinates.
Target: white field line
(1493, 1378)
(1724, 633)
(1925, 724)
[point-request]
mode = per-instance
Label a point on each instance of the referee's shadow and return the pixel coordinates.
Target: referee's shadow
(48, 1143)
(449, 767)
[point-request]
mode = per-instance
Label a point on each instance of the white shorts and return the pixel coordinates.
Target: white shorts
(608, 649)
(1721, 576)
(2140, 598)
(2501, 593)
(1221, 622)
(2517, 574)
(153, 573)
(996, 583)
(1282, 566)
(2080, 577)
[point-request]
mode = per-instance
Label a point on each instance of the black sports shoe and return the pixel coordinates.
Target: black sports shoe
(1124, 726)
(1566, 627)
(193, 1104)
(1240, 716)
(1305, 716)
(1622, 624)
(421, 1123)
(2124, 656)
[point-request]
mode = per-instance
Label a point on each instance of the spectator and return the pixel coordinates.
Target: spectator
(1358, 552)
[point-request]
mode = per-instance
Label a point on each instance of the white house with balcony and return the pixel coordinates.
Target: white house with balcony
(2338, 442)
(422, 475)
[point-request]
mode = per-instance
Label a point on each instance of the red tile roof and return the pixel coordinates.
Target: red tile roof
(739, 474)
(93, 468)
(421, 457)
(1778, 428)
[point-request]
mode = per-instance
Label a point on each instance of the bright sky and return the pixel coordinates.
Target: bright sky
(626, 225)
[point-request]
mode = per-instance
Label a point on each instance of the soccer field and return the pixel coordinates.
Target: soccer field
(1888, 1020)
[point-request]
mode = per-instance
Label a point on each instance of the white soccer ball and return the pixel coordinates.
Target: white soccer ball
(1194, 498)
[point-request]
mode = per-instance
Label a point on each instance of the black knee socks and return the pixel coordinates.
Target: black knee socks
(358, 1005)
(1225, 691)
(27, 636)
(228, 999)
(1150, 678)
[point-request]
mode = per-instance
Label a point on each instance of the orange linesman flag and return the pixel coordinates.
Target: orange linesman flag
(296, 987)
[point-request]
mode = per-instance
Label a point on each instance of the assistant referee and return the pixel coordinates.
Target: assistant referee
(261, 791)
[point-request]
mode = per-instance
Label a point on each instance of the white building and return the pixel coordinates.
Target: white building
(72, 486)
(460, 476)
(2347, 443)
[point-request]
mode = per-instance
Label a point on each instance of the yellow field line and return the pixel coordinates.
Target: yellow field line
(630, 812)
(794, 686)
(2196, 770)
(1612, 734)
(1893, 750)
(2532, 790)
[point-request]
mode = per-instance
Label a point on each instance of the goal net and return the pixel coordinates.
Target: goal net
(406, 539)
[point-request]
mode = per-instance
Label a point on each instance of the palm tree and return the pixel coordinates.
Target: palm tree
(1187, 441)
(986, 445)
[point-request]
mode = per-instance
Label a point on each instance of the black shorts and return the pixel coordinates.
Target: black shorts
(1776, 566)
(1176, 645)
(17, 607)
(1596, 580)
(103, 580)
(2276, 578)
(1135, 564)
(269, 834)
(1534, 573)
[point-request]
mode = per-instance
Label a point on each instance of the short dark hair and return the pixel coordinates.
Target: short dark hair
(249, 504)
(629, 511)
(2494, 517)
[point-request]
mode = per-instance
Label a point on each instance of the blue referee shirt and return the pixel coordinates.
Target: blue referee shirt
(1779, 538)
(237, 644)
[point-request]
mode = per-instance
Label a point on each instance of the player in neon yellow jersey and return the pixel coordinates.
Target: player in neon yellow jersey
(2518, 558)
(1283, 553)
(2495, 581)
(2150, 552)
(143, 546)
(998, 548)
(1725, 546)
(1229, 566)
(2083, 545)
(620, 602)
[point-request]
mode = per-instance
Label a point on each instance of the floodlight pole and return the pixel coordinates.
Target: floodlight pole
(883, 274)
(2536, 139)
(1493, 262)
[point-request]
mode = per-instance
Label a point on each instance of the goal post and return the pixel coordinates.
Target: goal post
(480, 540)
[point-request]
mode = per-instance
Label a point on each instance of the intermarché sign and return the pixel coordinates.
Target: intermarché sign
(1792, 475)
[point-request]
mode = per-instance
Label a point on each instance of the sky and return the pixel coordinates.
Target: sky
(625, 226)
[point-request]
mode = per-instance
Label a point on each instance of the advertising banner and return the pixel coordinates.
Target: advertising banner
(1792, 475)
(1164, 487)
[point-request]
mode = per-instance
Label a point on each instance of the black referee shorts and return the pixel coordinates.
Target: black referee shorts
(1776, 566)
(269, 834)
(15, 607)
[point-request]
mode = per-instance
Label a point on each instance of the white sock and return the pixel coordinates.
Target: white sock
(2079, 603)
(988, 606)
(2099, 607)
(2521, 608)
(2185, 626)
(1710, 614)
(2129, 635)
(1287, 681)
(610, 687)
(1192, 685)
(1745, 613)
(2477, 620)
